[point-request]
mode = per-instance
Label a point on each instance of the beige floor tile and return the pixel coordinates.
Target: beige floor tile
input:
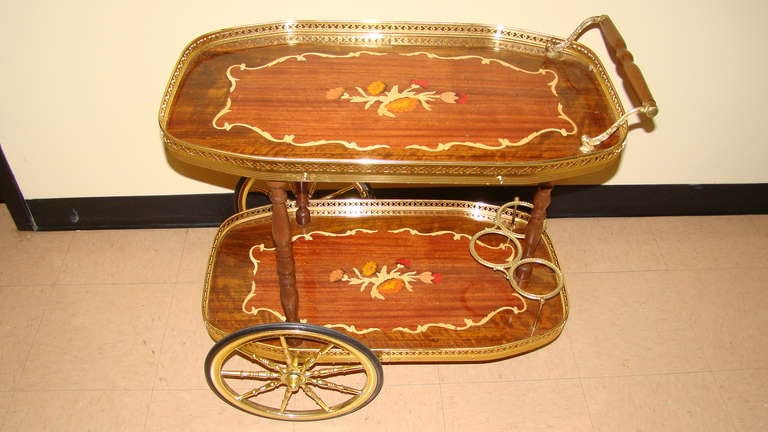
(712, 242)
(98, 337)
(5, 403)
(556, 405)
(675, 402)
(760, 226)
(410, 374)
(201, 410)
(124, 256)
(634, 323)
(605, 244)
(77, 411)
(197, 249)
(730, 320)
(745, 394)
(186, 342)
(20, 316)
(6, 221)
(30, 258)
(554, 361)
(396, 408)
(118, 336)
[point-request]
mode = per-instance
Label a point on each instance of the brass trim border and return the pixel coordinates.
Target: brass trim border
(388, 34)
(376, 171)
(362, 208)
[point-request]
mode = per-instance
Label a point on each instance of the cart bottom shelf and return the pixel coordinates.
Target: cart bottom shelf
(397, 276)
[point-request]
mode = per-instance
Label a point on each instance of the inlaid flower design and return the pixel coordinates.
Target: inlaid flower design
(385, 281)
(392, 100)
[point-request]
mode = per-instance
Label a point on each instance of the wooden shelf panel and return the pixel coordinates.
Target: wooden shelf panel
(398, 276)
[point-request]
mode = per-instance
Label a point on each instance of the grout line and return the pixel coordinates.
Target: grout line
(586, 404)
(740, 369)
(162, 347)
(5, 409)
(160, 350)
(574, 359)
(181, 256)
(83, 390)
(35, 335)
(65, 259)
(532, 380)
(723, 402)
(149, 407)
(499, 381)
(654, 374)
(566, 273)
(90, 284)
(443, 405)
(660, 249)
(596, 377)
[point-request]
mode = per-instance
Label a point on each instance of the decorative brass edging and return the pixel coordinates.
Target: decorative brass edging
(377, 35)
(357, 208)
(374, 171)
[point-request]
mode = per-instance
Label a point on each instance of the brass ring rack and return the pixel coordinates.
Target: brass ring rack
(516, 260)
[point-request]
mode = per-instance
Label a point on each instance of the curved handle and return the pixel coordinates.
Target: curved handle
(625, 63)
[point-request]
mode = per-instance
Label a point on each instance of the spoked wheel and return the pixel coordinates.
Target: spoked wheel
(293, 371)
(246, 185)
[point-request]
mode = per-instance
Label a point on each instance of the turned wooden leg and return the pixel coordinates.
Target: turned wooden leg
(541, 200)
(302, 201)
(281, 234)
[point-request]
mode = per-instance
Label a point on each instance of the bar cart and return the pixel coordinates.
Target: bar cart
(306, 298)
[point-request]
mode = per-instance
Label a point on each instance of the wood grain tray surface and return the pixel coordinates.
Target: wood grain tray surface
(396, 275)
(389, 102)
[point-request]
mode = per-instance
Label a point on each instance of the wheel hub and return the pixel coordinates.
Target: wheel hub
(294, 380)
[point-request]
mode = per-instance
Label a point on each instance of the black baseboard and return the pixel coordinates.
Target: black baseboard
(163, 211)
(207, 210)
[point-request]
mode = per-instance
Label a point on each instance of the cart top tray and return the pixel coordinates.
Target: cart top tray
(390, 102)
(397, 275)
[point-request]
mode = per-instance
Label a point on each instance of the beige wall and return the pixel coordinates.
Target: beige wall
(81, 82)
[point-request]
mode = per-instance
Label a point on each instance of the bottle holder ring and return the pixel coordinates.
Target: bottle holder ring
(517, 214)
(515, 261)
(559, 281)
(502, 232)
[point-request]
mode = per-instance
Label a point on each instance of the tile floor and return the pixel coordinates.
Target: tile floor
(101, 331)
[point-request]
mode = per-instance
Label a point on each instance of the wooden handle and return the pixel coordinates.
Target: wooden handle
(625, 62)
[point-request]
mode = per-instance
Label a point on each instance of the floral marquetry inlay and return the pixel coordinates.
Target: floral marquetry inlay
(395, 286)
(393, 100)
(371, 100)
(385, 280)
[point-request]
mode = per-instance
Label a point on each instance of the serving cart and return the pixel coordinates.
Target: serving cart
(306, 298)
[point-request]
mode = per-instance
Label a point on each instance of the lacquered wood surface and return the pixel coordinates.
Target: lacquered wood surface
(491, 106)
(454, 309)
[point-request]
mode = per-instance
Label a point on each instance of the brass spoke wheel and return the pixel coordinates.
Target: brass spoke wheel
(293, 371)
